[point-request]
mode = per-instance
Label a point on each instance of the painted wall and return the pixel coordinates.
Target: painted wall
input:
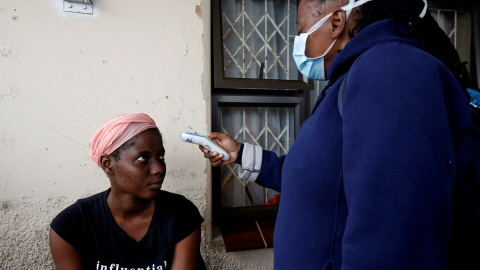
(64, 74)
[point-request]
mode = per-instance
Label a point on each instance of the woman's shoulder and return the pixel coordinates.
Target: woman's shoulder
(175, 204)
(405, 77)
(408, 71)
(176, 209)
(173, 200)
(91, 203)
(393, 56)
(167, 195)
(94, 198)
(84, 206)
(177, 214)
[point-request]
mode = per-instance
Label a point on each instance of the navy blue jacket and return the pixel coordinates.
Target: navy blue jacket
(372, 189)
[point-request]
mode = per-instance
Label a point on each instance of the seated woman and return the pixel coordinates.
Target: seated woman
(133, 224)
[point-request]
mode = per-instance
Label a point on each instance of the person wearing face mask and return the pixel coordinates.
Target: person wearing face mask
(369, 185)
(134, 224)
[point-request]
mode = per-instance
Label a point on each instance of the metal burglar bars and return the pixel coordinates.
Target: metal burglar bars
(272, 134)
(253, 41)
(253, 37)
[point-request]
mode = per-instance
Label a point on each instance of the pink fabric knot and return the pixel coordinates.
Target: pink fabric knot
(117, 131)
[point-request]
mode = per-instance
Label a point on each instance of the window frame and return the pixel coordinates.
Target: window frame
(295, 99)
(249, 227)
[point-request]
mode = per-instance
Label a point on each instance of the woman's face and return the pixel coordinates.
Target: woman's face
(318, 42)
(141, 169)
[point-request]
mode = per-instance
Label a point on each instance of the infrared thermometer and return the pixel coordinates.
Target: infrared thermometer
(205, 142)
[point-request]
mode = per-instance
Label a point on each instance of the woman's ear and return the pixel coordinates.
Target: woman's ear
(106, 164)
(337, 23)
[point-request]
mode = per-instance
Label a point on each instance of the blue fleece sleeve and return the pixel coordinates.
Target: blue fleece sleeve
(271, 175)
(399, 161)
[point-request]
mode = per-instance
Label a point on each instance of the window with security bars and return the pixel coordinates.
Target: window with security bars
(253, 43)
(270, 127)
(257, 39)
(245, 210)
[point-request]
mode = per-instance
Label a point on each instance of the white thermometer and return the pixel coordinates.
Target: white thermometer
(205, 142)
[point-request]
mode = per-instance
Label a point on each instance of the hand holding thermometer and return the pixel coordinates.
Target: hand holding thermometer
(205, 142)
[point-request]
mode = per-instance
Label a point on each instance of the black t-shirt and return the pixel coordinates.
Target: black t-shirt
(89, 227)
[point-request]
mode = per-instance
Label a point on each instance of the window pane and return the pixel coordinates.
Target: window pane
(457, 26)
(270, 127)
(258, 36)
(447, 20)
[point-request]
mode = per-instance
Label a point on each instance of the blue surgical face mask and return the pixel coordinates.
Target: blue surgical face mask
(314, 68)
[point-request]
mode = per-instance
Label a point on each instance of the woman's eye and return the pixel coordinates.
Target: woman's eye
(142, 158)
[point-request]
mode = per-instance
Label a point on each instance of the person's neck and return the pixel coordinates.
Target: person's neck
(126, 207)
(132, 215)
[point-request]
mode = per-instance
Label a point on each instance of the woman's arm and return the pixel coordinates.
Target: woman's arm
(398, 161)
(187, 252)
(64, 255)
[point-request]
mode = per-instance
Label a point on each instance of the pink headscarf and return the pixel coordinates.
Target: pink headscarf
(117, 131)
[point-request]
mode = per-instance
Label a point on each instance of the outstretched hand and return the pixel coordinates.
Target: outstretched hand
(227, 143)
